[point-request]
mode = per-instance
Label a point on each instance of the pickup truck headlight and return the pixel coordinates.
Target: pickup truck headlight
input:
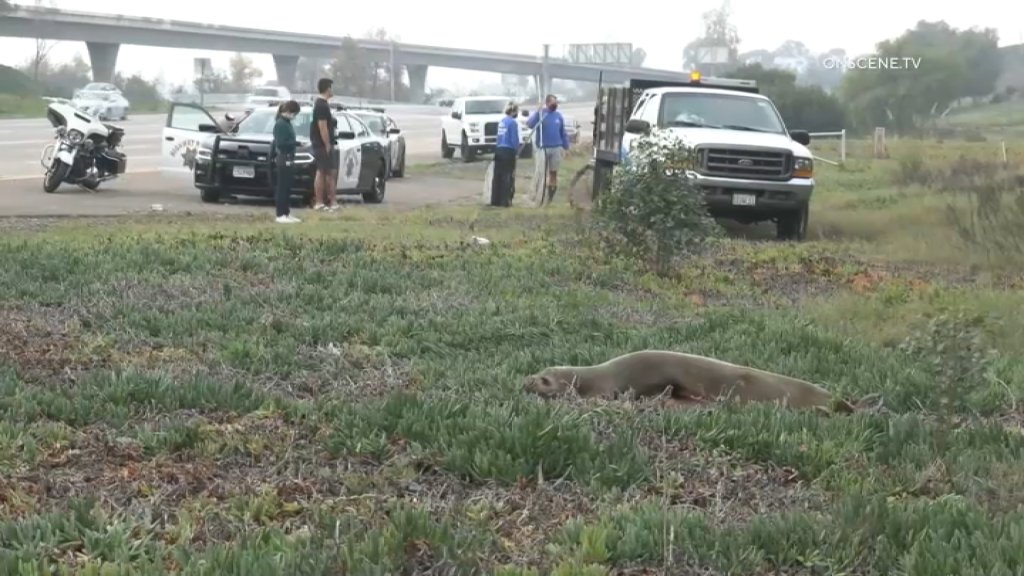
(474, 126)
(303, 158)
(803, 168)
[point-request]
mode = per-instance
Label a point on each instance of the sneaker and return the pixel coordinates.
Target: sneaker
(293, 219)
(332, 208)
(285, 220)
(319, 207)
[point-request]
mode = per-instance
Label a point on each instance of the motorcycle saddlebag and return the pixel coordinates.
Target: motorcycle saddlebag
(116, 135)
(116, 162)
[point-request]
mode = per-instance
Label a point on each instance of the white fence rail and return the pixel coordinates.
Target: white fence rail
(841, 134)
(239, 99)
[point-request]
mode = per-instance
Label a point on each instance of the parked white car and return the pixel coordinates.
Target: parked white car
(269, 96)
(102, 100)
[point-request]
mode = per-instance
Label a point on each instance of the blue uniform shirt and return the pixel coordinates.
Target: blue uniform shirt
(552, 130)
(508, 133)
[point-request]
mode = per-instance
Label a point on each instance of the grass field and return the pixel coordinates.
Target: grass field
(35, 107)
(219, 396)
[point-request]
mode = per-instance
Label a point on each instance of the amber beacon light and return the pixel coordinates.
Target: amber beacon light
(694, 77)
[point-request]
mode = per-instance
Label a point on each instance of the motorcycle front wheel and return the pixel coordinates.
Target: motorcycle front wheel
(55, 175)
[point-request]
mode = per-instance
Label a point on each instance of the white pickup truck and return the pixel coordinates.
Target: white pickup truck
(750, 166)
(472, 126)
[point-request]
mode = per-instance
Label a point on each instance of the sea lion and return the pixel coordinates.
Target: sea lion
(689, 380)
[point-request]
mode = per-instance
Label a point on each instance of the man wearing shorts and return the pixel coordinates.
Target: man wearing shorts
(552, 141)
(323, 138)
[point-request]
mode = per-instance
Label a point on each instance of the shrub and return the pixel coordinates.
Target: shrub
(653, 211)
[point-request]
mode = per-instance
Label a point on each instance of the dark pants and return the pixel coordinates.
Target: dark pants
(504, 176)
(283, 186)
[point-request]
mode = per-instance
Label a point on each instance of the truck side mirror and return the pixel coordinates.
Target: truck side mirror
(800, 136)
(638, 126)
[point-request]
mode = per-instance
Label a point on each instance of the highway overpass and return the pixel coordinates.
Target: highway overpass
(105, 33)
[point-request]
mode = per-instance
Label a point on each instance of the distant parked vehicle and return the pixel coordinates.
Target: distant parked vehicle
(269, 96)
(102, 100)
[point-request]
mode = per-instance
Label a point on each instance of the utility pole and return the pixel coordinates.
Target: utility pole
(392, 71)
(545, 77)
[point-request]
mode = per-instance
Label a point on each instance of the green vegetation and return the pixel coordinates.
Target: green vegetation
(218, 395)
(21, 96)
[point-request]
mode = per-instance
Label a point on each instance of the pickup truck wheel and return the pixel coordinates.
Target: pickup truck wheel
(467, 153)
(527, 152)
(446, 151)
(793, 226)
(209, 195)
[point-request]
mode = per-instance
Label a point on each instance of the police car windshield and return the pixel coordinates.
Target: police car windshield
(262, 122)
(689, 109)
(485, 106)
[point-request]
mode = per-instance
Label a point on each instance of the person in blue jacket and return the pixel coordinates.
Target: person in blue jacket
(284, 159)
(551, 139)
(505, 152)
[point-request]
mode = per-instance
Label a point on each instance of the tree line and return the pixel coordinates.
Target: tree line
(943, 67)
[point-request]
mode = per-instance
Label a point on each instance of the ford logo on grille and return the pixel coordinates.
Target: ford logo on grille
(745, 162)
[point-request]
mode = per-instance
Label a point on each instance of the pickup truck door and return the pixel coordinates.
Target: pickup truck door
(187, 126)
(453, 126)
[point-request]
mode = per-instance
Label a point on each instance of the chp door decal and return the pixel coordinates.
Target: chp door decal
(187, 149)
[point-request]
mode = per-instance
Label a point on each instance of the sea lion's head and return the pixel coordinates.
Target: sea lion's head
(550, 382)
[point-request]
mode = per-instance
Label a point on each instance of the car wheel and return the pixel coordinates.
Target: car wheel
(527, 152)
(793, 226)
(376, 194)
(467, 153)
(446, 151)
(209, 195)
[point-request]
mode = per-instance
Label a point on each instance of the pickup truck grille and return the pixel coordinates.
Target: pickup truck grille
(746, 164)
(491, 129)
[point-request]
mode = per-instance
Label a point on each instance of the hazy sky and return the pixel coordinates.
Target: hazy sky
(662, 29)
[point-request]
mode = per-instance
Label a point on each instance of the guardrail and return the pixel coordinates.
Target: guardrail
(841, 134)
(230, 99)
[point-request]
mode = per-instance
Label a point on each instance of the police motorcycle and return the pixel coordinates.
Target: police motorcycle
(84, 151)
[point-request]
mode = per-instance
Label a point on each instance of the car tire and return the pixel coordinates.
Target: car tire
(446, 151)
(376, 195)
(465, 152)
(400, 171)
(210, 195)
(793, 226)
(527, 152)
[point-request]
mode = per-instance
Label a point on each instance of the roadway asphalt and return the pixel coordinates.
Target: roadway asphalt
(22, 141)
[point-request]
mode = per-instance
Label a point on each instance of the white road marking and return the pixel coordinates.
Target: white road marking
(130, 158)
(40, 175)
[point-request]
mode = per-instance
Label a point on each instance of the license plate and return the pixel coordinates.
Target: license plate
(243, 172)
(744, 199)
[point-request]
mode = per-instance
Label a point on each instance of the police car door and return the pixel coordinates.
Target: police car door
(371, 151)
(187, 127)
(350, 157)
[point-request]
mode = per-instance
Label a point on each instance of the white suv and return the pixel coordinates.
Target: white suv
(472, 126)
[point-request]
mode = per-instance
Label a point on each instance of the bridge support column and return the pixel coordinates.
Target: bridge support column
(103, 60)
(417, 82)
(286, 68)
(543, 86)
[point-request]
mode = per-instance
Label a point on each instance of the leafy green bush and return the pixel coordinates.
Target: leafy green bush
(653, 211)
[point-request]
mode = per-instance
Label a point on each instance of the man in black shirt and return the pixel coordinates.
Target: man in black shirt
(323, 138)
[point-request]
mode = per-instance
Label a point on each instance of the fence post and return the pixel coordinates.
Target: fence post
(842, 146)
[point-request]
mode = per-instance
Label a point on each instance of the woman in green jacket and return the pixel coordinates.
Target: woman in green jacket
(284, 161)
